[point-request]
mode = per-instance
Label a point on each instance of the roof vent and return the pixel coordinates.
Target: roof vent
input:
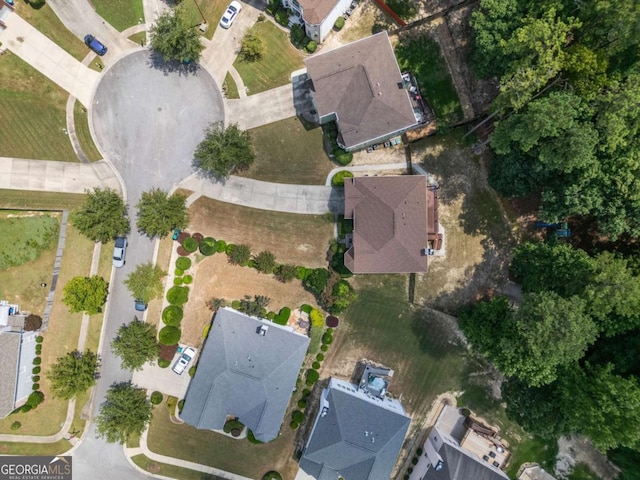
(262, 330)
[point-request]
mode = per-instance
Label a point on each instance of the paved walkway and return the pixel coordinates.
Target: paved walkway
(52, 61)
(71, 130)
(262, 108)
(62, 238)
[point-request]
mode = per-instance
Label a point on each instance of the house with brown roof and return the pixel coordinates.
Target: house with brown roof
(395, 224)
(318, 16)
(361, 88)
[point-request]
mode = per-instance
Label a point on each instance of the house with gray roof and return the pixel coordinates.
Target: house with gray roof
(361, 88)
(247, 370)
(357, 433)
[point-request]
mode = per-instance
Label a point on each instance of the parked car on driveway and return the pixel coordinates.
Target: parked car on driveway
(140, 305)
(184, 360)
(119, 252)
(94, 44)
(230, 14)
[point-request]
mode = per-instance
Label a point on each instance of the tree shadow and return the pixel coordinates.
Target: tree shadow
(183, 69)
(35, 4)
(437, 333)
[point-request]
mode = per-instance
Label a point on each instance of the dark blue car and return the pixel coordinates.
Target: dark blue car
(94, 44)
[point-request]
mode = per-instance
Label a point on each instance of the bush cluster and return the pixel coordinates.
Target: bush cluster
(35, 370)
(178, 295)
(232, 425)
(312, 46)
(312, 376)
(172, 315)
(163, 363)
(156, 398)
(283, 316)
(188, 279)
(338, 178)
(252, 438)
(316, 317)
(297, 416)
(169, 335)
(339, 25)
(208, 246)
(183, 263)
(306, 308)
(190, 244)
(39, 339)
(178, 281)
(37, 361)
(285, 272)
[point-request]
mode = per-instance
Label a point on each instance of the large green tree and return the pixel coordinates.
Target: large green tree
(102, 216)
(224, 150)
(73, 374)
(135, 344)
(145, 282)
(125, 412)
(85, 294)
(174, 39)
(159, 213)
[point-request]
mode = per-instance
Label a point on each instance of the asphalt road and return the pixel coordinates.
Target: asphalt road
(148, 122)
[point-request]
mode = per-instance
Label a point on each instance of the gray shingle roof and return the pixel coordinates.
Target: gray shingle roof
(244, 374)
(359, 83)
(9, 361)
(458, 465)
(357, 437)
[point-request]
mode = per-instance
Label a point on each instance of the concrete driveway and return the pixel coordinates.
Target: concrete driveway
(262, 108)
(164, 380)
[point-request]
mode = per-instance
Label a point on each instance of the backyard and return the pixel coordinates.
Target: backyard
(33, 109)
(278, 61)
(286, 152)
(121, 14)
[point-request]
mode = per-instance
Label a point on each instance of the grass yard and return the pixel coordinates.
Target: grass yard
(423, 57)
(42, 17)
(279, 60)
(288, 153)
(139, 38)
(121, 14)
(46, 449)
(216, 450)
(582, 472)
(170, 471)
(81, 122)
(26, 235)
(229, 87)
(33, 110)
(212, 11)
(60, 338)
(40, 200)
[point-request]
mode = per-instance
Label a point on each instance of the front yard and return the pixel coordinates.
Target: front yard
(121, 14)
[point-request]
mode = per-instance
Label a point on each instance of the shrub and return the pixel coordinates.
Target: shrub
(232, 425)
(302, 403)
(271, 316)
(306, 308)
(36, 386)
(229, 248)
(414, 460)
(251, 263)
(338, 178)
(169, 335)
(178, 295)
(317, 319)
(183, 263)
(294, 425)
(327, 338)
(35, 378)
(324, 348)
(285, 272)
(297, 34)
(265, 262)
(190, 244)
(283, 316)
(311, 46)
(177, 272)
(208, 246)
(302, 272)
(235, 304)
(163, 363)
(272, 475)
(39, 339)
(316, 365)
(37, 361)
(35, 370)
(156, 398)
(306, 392)
(38, 349)
(188, 279)
(239, 255)
(192, 371)
(410, 470)
(419, 452)
(35, 399)
(252, 438)
(282, 17)
(339, 25)
(343, 158)
(172, 315)
(261, 17)
(15, 425)
(317, 280)
(297, 416)
(32, 323)
(180, 405)
(312, 376)
(330, 331)
(177, 281)
(221, 246)
(320, 357)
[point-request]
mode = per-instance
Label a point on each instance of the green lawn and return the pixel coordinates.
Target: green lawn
(229, 87)
(423, 57)
(26, 235)
(10, 448)
(42, 17)
(279, 60)
(39, 200)
(121, 14)
(140, 38)
(211, 9)
(81, 122)
(582, 472)
(170, 471)
(32, 109)
(216, 450)
(288, 153)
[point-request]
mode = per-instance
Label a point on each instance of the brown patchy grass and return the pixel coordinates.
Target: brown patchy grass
(293, 238)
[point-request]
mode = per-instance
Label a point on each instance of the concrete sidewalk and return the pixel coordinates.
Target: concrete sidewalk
(262, 108)
(51, 60)
(49, 176)
(279, 197)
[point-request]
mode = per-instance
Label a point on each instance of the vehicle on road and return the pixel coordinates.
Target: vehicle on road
(119, 252)
(184, 360)
(94, 44)
(230, 14)
(140, 305)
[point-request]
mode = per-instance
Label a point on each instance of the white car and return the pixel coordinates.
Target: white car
(230, 14)
(119, 252)
(184, 360)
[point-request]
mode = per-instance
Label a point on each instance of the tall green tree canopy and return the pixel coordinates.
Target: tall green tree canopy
(159, 213)
(103, 216)
(224, 150)
(174, 39)
(135, 344)
(73, 374)
(85, 294)
(145, 282)
(125, 412)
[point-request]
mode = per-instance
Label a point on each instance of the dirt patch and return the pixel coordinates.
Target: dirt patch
(215, 277)
(574, 450)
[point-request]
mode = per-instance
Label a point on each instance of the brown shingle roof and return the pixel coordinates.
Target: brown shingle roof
(389, 224)
(360, 84)
(9, 355)
(315, 11)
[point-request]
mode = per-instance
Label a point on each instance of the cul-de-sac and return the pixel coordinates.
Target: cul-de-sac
(320, 239)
